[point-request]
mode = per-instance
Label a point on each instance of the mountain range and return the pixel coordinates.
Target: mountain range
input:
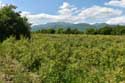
(80, 26)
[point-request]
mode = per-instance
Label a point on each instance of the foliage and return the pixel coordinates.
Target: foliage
(107, 30)
(91, 31)
(59, 31)
(63, 58)
(12, 24)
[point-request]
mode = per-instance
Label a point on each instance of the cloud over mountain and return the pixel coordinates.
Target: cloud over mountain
(71, 14)
(117, 20)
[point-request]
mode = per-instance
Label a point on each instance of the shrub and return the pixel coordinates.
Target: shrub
(12, 24)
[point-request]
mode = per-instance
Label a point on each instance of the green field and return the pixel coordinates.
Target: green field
(48, 58)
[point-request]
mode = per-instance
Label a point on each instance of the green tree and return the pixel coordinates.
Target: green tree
(60, 31)
(118, 30)
(107, 30)
(12, 24)
(68, 31)
(50, 31)
(76, 31)
(90, 31)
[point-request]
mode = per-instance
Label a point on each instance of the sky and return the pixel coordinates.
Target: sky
(72, 11)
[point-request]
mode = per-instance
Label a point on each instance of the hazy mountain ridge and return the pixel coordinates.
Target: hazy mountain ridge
(80, 26)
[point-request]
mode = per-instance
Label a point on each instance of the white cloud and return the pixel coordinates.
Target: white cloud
(44, 18)
(70, 13)
(99, 12)
(117, 20)
(66, 14)
(66, 9)
(120, 3)
(2, 4)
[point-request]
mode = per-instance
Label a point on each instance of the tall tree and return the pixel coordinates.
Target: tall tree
(12, 24)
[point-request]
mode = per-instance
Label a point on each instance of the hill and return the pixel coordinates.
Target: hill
(55, 25)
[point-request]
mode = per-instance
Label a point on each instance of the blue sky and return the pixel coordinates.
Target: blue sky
(50, 6)
(73, 11)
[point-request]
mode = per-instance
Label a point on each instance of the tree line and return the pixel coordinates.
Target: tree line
(59, 31)
(107, 30)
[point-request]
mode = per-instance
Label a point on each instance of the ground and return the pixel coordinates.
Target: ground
(59, 58)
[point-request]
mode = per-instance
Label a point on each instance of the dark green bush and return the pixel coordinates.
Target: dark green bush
(12, 24)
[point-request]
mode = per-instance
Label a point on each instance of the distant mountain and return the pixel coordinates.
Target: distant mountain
(55, 25)
(100, 25)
